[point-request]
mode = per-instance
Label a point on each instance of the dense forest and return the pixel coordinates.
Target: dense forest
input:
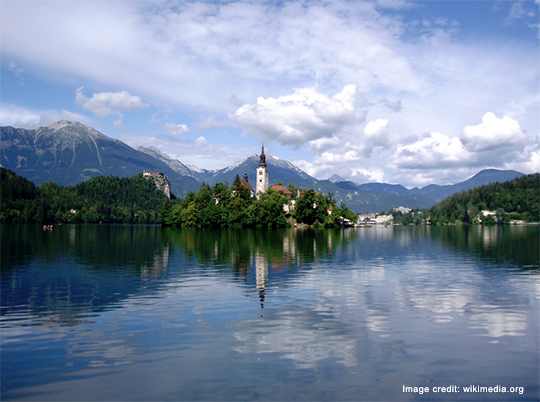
(100, 199)
(234, 206)
(137, 200)
(514, 200)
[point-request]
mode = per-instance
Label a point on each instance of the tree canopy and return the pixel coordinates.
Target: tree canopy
(516, 199)
(137, 200)
(107, 199)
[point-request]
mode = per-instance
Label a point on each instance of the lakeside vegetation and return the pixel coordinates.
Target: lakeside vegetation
(106, 199)
(223, 206)
(516, 200)
(137, 200)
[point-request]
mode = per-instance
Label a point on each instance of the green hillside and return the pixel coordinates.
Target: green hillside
(107, 199)
(517, 199)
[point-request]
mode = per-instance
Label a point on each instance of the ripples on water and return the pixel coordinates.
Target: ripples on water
(145, 313)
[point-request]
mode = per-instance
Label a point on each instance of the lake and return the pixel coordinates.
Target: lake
(105, 312)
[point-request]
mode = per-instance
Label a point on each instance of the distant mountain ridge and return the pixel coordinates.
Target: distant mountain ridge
(176, 165)
(69, 153)
(440, 192)
(487, 176)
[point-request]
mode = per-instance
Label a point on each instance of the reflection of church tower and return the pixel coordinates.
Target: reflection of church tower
(261, 270)
(262, 175)
(261, 275)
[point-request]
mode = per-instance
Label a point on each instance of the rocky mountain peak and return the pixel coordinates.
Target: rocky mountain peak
(63, 123)
(336, 179)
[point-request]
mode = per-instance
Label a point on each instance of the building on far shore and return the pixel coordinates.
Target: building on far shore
(403, 210)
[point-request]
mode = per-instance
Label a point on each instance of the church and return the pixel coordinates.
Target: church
(262, 175)
(261, 186)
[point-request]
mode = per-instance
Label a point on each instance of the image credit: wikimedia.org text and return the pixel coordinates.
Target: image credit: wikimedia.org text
(467, 389)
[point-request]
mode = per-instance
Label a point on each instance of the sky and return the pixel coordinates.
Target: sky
(395, 91)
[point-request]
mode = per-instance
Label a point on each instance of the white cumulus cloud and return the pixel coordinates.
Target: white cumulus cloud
(329, 163)
(104, 103)
(175, 129)
(201, 142)
(361, 175)
(493, 133)
(376, 134)
(20, 117)
(434, 152)
(306, 115)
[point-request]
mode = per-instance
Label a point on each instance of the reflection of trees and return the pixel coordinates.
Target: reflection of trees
(96, 246)
(73, 270)
(500, 243)
(265, 256)
(286, 250)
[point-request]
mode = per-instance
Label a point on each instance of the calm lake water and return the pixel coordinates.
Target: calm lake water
(96, 312)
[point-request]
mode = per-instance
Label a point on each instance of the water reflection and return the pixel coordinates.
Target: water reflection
(261, 274)
(518, 244)
(306, 336)
(65, 274)
(384, 306)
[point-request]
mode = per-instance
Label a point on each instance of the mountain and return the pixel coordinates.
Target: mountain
(279, 171)
(435, 193)
(385, 188)
(201, 175)
(487, 176)
(336, 179)
(69, 153)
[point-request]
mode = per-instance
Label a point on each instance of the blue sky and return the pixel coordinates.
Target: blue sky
(409, 92)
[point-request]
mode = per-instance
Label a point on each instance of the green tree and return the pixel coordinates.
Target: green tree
(488, 220)
(189, 216)
(239, 191)
(500, 216)
(268, 210)
(236, 212)
(166, 213)
(310, 208)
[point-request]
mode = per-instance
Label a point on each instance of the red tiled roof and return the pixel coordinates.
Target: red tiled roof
(246, 184)
(281, 189)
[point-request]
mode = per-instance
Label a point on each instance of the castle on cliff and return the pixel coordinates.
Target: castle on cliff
(161, 181)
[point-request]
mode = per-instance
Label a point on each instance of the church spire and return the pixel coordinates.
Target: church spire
(262, 162)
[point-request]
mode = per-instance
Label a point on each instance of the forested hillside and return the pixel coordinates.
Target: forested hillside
(516, 199)
(107, 199)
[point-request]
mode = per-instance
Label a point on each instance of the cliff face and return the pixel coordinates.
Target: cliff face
(162, 183)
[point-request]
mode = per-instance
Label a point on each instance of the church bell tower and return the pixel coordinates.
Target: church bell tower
(262, 175)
